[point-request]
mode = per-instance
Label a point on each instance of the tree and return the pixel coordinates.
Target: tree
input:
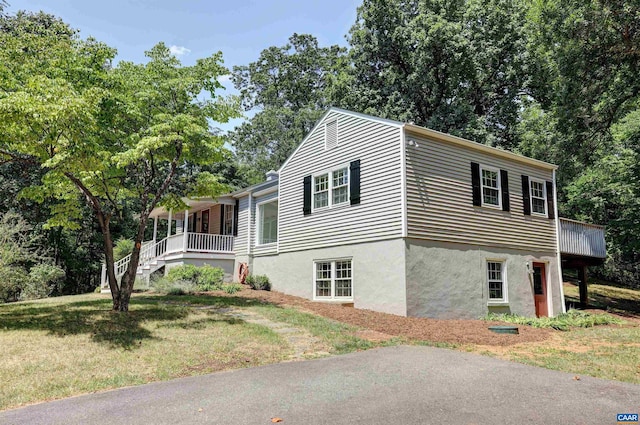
(454, 66)
(118, 136)
(288, 88)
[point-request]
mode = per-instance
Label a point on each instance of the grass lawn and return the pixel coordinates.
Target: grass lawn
(65, 346)
(610, 352)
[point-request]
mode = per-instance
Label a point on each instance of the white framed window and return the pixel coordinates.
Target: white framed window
(333, 279)
(490, 184)
(321, 191)
(496, 281)
(267, 219)
(228, 219)
(340, 186)
(538, 197)
(331, 188)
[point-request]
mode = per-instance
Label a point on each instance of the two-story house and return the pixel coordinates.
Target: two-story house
(393, 217)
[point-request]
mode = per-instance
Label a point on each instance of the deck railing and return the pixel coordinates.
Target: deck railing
(583, 239)
(203, 242)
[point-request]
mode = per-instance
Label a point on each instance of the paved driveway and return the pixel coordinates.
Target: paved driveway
(396, 385)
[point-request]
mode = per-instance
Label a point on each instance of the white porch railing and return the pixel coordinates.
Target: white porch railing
(151, 252)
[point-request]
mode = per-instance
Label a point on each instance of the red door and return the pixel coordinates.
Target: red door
(540, 289)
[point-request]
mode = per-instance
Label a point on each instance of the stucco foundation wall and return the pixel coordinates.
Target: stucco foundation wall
(378, 273)
(448, 281)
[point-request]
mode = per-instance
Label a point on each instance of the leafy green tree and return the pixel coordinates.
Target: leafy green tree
(118, 136)
(288, 88)
(455, 66)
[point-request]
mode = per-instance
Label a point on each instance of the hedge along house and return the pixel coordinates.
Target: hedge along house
(398, 218)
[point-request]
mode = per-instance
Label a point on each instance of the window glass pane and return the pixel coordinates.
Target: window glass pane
(323, 279)
(340, 195)
(343, 288)
(538, 205)
(538, 199)
(490, 191)
(321, 191)
(268, 223)
(494, 275)
(340, 177)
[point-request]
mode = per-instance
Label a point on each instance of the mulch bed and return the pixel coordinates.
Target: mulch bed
(458, 332)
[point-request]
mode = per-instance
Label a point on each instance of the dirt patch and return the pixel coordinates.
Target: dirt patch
(457, 332)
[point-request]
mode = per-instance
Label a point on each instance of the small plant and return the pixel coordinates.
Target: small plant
(231, 288)
(259, 282)
(184, 272)
(169, 286)
(122, 248)
(562, 322)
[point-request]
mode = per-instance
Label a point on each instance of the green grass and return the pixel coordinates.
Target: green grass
(561, 322)
(607, 297)
(65, 346)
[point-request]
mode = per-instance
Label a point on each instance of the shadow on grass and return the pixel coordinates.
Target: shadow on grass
(619, 305)
(96, 319)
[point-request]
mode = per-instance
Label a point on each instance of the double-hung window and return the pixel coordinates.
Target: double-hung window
(490, 181)
(228, 219)
(331, 188)
(267, 223)
(333, 279)
(538, 197)
(496, 281)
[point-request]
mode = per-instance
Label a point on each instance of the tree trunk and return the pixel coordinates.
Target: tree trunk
(109, 260)
(129, 277)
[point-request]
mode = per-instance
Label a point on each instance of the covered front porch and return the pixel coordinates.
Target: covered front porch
(204, 233)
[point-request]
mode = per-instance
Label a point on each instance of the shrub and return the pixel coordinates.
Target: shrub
(43, 280)
(231, 288)
(259, 282)
(209, 278)
(184, 272)
(166, 285)
(122, 248)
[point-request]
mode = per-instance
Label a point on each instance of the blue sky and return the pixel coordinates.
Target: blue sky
(197, 28)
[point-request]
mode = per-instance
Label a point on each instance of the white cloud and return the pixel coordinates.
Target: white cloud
(223, 79)
(179, 50)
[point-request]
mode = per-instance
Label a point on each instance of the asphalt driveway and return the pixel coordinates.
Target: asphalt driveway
(395, 385)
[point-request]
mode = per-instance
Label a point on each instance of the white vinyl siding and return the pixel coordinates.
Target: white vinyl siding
(538, 196)
(440, 200)
(379, 214)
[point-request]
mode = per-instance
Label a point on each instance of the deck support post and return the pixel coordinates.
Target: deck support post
(169, 223)
(185, 233)
(582, 277)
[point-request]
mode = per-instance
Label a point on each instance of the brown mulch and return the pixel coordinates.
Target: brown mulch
(457, 332)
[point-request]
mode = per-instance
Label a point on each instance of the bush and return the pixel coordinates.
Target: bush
(166, 285)
(122, 248)
(43, 280)
(259, 282)
(184, 272)
(231, 288)
(209, 278)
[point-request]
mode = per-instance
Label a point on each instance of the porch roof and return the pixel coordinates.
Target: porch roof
(194, 205)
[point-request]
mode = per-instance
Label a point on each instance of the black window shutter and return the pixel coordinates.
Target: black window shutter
(222, 219)
(307, 196)
(354, 181)
(235, 218)
(504, 182)
(526, 197)
(475, 183)
(551, 206)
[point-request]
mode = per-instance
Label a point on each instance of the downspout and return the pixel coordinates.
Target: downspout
(559, 259)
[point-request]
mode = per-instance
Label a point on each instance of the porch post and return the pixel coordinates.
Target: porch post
(169, 223)
(582, 276)
(155, 228)
(103, 276)
(184, 231)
